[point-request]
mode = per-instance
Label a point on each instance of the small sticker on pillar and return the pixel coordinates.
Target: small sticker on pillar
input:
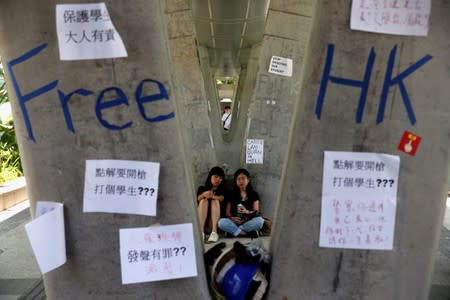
(409, 143)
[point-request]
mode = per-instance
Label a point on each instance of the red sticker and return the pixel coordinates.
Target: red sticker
(409, 143)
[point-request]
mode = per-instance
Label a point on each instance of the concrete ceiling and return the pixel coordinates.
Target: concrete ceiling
(228, 29)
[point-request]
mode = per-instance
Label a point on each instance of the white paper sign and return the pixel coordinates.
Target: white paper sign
(85, 31)
(255, 151)
(121, 186)
(359, 198)
(157, 253)
(47, 237)
(281, 66)
(404, 17)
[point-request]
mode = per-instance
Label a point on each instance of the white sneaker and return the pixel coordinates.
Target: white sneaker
(213, 237)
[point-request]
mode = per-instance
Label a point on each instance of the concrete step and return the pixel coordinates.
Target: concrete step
(35, 292)
(12, 192)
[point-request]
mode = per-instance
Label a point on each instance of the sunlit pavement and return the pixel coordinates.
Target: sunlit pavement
(440, 289)
(18, 268)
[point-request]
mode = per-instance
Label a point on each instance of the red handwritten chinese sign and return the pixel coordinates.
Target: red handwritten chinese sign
(403, 17)
(359, 195)
(157, 253)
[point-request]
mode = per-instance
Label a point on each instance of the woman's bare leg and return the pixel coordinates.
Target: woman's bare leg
(215, 214)
(202, 213)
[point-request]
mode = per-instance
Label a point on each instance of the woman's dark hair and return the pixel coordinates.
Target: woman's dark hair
(215, 171)
(249, 187)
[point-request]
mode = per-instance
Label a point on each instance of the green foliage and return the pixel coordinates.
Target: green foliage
(3, 94)
(225, 81)
(10, 164)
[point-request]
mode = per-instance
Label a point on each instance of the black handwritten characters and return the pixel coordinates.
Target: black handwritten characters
(255, 151)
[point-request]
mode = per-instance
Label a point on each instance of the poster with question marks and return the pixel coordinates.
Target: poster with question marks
(121, 186)
(157, 253)
(359, 200)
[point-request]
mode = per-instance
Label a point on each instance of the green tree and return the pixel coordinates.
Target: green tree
(3, 93)
(10, 163)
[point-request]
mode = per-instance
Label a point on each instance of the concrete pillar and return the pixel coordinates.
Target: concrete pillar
(54, 161)
(196, 118)
(273, 96)
(303, 270)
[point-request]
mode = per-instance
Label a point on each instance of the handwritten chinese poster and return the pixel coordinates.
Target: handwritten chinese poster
(157, 253)
(281, 66)
(47, 237)
(359, 199)
(403, 17)
(255, 151)
(85, 31)
(121, 186)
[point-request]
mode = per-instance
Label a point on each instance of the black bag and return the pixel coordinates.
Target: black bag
(267, 226)
(225, 121)
(248, 217)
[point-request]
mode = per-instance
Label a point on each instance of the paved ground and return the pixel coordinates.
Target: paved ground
(440, 289)
(18, 268)
(20, 277)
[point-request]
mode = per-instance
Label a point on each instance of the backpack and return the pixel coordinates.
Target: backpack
(267, 226)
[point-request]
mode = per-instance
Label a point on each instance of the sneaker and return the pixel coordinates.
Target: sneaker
(213, 237)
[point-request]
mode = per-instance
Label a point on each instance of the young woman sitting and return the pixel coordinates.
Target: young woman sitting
(242, 210)
(209, 197)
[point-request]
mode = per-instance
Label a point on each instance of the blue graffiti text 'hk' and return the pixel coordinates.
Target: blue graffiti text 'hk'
(364, 84)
